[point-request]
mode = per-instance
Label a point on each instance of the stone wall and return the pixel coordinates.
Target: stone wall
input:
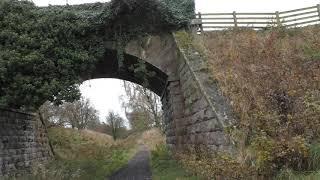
(204, 111)
(202, 126)
(23, 142)
(173, 108)
(196, 113)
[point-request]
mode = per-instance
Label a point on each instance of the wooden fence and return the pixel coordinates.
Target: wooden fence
(292, 18)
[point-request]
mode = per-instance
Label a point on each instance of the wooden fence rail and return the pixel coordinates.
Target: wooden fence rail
(292, 18)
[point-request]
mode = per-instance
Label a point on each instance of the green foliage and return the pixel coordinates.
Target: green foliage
(44, 52)
(164, 167)
(220, 165)
(292, 175)
(161, 152)
(82, 155)
(139, 121)
(314, 157)
(141, 72)
(314, 54)
(82, 169)
(116, 123)
(273, 155)
(313, 163)
(184, 38)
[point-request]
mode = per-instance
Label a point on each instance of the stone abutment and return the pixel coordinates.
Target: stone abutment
(196, 113)
(23, 143)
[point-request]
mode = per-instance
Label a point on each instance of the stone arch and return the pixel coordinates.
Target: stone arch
(108, 67)
(161, 55)
(193, 106)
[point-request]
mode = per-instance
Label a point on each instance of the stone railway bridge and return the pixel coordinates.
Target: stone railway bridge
(196, 113)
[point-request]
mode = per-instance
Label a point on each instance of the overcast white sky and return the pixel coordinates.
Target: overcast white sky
(104, 93)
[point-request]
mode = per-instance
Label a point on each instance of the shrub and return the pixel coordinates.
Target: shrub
(272, 80)
(165, 167)
(216, 166)
(314, 157)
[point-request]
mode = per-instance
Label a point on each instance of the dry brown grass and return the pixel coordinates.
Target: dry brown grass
(83, 154)
(100, 138)
(270, 75)
(152, 138)
(272, 79)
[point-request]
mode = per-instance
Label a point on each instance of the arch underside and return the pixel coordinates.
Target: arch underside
(108, 67)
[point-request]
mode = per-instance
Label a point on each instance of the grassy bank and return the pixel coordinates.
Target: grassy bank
(83, 155)
(272, 79)
(164, 167)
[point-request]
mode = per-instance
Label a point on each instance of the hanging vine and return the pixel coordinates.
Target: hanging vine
(44, 50)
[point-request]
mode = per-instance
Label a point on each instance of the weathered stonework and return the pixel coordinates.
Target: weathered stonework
(23, 142)
(196, 113)
(203, 111)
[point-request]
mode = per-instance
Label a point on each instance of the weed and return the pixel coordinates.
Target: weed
(165, 168)
(82, 155)
(314, 158)
(272, 79)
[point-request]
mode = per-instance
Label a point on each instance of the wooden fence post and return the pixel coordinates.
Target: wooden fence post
(235, 19)
(318, 7)
(278, 19)
(200, 25)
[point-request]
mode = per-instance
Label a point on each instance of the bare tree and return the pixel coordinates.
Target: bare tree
(116, 123)
(79, 114)
(52, 115)
(138, 99)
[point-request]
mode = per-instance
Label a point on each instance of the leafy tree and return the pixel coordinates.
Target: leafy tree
(116, 124)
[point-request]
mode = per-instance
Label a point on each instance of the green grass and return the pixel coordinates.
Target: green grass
(314, 157)
(291, 175)
(165, 168)
(82, 155)
(313, 163)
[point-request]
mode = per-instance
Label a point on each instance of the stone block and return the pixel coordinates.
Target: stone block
(217, 138)
(199, 105)
(21, 142)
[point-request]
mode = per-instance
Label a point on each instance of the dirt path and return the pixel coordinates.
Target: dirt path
(138, 167)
